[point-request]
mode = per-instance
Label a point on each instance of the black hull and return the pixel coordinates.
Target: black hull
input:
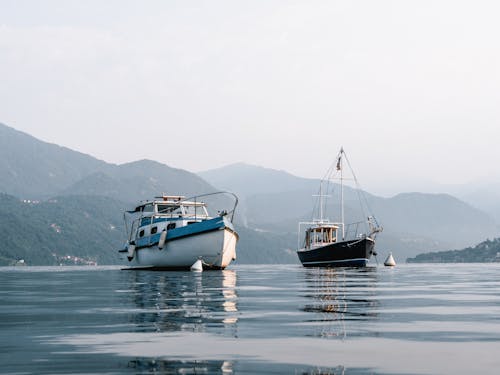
(353, 253)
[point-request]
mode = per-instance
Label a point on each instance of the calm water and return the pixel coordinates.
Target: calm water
(413, 319)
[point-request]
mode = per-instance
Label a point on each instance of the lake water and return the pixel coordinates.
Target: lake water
(412, 319)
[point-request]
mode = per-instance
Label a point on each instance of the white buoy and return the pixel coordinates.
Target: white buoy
(197, 266)
(163, 238)
(390, 262)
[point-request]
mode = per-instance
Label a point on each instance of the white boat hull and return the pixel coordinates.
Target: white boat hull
(215, 248)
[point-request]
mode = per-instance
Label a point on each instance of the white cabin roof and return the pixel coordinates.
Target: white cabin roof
(169, 200)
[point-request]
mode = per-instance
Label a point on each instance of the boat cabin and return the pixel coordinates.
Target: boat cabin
(165, 213)
(173, 207)
(321, 235)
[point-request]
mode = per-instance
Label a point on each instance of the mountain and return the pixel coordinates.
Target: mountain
(139, 180)
(246, 180)
(439, 216)
(260, 247)
(486, 252)
(34, 169)
(486, 198)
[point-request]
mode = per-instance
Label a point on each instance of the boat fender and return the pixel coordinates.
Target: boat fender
(130, 252)
(163, 239)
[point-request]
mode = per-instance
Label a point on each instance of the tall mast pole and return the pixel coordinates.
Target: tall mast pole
(321, 202)
(341, 193)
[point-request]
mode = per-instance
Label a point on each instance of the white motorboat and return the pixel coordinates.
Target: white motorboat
(172, 233)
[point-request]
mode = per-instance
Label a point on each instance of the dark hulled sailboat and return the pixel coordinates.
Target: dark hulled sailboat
(327, 243)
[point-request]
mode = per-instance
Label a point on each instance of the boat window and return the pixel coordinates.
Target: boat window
(148, 208)
(141, 233)
(195, 211)
(171, 226)
(154, 230)
(169, 209)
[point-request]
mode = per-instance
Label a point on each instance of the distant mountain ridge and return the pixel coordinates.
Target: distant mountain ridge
(139, 180)
(33, 169)
(249, 179)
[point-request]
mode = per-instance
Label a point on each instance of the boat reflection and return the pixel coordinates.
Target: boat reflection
(184, 301)
(159, 366)
(163, 367)
(339, 297)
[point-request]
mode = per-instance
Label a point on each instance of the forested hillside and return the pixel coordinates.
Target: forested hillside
(87, 229)
(485, 252)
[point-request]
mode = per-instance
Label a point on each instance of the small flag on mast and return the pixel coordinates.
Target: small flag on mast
(339, 165)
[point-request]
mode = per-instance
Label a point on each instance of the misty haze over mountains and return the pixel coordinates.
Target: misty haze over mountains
(271, 205)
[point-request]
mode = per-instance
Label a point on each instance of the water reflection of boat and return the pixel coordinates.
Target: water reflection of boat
(338, 297)
(161, 366)
(181, 301)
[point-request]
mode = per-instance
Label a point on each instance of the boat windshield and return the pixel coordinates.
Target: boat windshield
(197, 210)
(148, 208)
(169, 209)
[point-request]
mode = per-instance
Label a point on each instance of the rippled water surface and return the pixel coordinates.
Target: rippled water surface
(412, 319)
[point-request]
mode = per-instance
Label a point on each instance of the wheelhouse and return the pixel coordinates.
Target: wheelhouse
(164, 213)
(320, 235)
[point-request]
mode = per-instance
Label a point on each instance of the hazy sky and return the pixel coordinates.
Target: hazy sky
(411, 89)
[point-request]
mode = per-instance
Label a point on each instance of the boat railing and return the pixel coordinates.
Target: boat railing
(353, 230)
(223, 212)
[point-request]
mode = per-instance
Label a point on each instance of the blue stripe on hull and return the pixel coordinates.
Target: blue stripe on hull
(188, 230)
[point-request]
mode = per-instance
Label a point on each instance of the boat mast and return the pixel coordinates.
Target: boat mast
(321, 202)
(339, 167)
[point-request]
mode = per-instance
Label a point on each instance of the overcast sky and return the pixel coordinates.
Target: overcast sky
(411, 89)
